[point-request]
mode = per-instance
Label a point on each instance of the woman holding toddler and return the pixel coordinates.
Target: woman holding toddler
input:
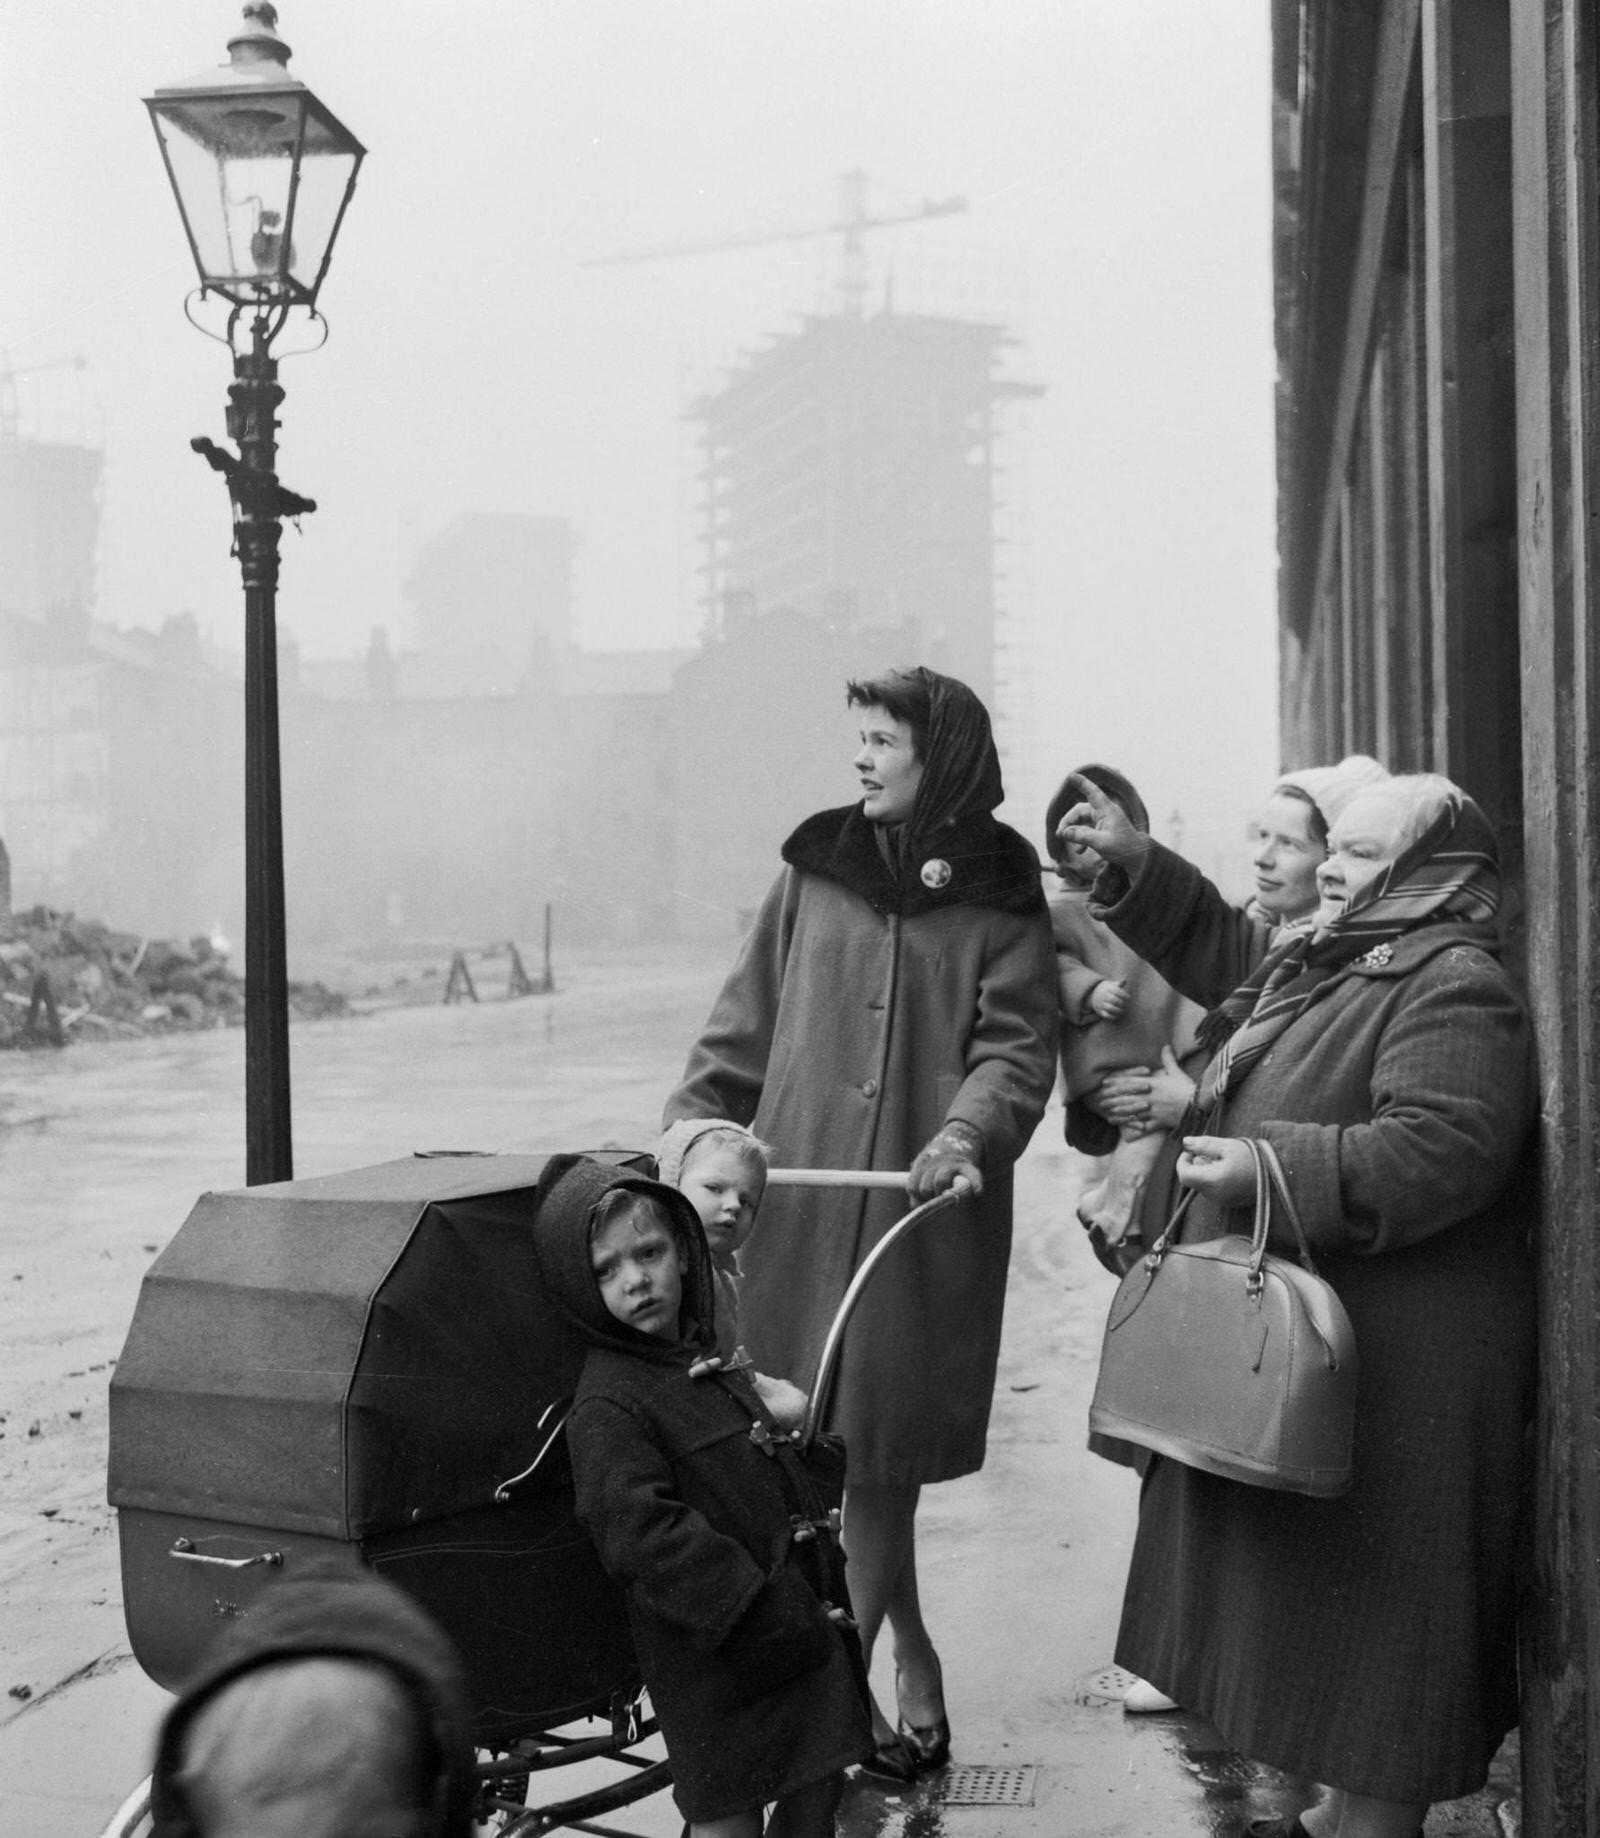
(1366, 1642)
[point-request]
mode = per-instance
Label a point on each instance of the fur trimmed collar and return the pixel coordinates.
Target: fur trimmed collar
(975, 861)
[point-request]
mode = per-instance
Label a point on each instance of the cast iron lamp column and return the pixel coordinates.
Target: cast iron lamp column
(262, 172)
(260, 504)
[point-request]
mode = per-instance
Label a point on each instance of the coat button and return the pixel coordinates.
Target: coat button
(870, 1089)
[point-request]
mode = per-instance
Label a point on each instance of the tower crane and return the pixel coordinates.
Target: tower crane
(851, 225)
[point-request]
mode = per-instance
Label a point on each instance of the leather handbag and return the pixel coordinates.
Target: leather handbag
(1231, 1359)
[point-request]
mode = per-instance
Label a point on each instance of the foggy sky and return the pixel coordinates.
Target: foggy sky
(1116, 156)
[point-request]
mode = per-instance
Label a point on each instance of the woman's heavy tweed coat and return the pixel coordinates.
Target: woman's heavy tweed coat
(1369, 1641)
(758, 1693)
(846, 1037)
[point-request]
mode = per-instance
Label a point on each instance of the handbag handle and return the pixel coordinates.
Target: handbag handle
(1272, 1186)
(1152, 1257)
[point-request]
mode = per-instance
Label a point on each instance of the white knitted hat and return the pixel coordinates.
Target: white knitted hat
(1331, 788)
(672, 1151)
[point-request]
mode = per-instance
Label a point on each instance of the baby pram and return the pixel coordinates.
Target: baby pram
(369, 1360)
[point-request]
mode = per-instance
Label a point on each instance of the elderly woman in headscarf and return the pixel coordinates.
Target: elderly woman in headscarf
(1288, 844)
(1365, 1642)
(894, 1005)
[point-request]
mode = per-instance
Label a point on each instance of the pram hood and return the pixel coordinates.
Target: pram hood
(345, 1356)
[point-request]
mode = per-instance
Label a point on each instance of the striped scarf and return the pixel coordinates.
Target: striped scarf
(1450, 873)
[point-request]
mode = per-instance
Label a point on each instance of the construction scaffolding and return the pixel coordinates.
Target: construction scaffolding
(850, 474)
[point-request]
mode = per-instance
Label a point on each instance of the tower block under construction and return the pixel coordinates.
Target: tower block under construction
(850, 477)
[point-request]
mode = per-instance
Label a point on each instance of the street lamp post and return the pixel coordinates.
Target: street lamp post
(263, 173)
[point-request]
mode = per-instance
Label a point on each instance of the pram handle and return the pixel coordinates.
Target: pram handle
(836, 1177)
(823, 1381)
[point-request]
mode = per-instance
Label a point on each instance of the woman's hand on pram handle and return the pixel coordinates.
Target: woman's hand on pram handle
(950, 1161)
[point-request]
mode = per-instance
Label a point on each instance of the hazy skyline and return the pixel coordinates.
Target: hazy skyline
(1116, 161)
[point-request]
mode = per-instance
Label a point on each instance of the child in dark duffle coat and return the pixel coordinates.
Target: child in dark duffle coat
(699, 1506)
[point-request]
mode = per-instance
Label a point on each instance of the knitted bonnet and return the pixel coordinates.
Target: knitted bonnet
(1331, 788)
(679, 1138)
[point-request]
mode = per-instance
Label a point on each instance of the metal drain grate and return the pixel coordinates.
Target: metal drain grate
(977, 1785)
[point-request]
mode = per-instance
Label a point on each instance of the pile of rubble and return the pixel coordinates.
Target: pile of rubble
(63, 978)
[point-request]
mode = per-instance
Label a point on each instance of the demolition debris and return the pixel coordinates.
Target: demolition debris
(63, 978)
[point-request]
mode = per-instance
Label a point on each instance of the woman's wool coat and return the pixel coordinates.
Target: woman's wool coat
(693, 1500)
(1367, 1642)
(847, 1037)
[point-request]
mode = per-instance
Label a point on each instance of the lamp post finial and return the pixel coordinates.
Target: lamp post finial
(258, 41)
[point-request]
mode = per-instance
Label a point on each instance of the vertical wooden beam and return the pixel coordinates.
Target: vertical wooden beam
(1553, 76)
(1416, 722)
(1342, 604)
(1466, 124)
(1390, 122)
(1388, 526)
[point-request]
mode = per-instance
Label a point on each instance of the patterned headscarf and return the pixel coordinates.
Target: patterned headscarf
(1451, 873)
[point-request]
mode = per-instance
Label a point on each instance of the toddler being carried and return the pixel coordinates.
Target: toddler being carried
(1118, 1015)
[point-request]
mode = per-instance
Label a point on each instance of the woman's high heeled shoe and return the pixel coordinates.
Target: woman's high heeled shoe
(929, 1743)
(892, 1760)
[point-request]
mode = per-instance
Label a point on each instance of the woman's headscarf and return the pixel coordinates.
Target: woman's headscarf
(952, 851)
(960, 766)
(1449, 875)
(569, 1189)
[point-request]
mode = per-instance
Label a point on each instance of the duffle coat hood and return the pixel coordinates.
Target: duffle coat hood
(693, 1499)
(570, 1187)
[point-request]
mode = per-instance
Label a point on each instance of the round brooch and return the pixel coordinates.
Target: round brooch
(935, 873)
(1378, 957)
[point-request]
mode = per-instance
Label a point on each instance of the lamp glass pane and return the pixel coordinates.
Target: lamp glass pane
(326, 174)
(233, 161)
